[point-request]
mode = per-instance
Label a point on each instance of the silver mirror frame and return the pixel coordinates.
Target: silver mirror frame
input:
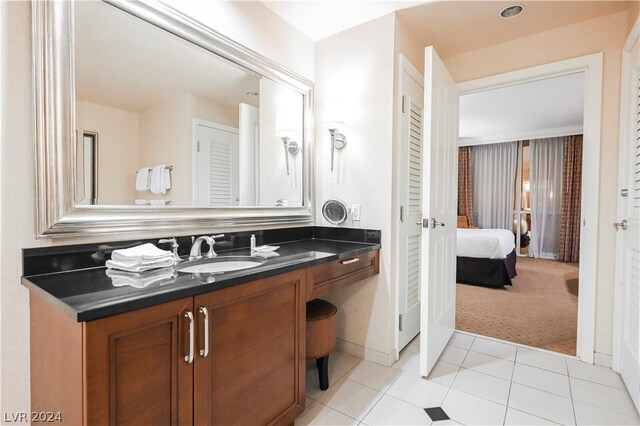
(53, 59)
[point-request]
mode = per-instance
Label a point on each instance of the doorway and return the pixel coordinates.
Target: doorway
(591, 65)
(520, 163)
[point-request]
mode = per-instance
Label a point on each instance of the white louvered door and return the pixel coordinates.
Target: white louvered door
(216, 163)
(411, 206)
(628, 271)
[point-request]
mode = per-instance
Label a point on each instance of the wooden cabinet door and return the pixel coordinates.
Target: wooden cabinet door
(135, 371)
(255, 368)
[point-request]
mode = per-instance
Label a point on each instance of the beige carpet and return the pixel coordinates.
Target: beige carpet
(540, 309)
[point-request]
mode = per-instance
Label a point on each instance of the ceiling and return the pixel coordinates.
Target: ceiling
(453, 27)
(543, 107)
(321, 19)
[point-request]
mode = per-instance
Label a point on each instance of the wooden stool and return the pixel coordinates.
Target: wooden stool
(321, 336)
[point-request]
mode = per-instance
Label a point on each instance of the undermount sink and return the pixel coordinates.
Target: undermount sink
(219, 265)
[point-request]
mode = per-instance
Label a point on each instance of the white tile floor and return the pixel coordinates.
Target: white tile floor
(476, 381)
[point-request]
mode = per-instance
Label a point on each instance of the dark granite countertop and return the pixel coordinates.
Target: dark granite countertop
(89, 294)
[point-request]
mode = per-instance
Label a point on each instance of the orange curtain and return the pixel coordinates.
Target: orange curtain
(571, 197)
(465, 184)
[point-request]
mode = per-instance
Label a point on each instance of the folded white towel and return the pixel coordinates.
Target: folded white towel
(140, 280)
(157, 183)
(140, 266)
(141, 202)
(265, 249)
(140, 253)
(142, 179)
(266, 254)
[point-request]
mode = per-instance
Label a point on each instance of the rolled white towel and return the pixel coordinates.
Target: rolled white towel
(144, 252)
(142, 179)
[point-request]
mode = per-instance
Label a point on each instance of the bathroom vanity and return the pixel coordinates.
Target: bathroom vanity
(193, 349)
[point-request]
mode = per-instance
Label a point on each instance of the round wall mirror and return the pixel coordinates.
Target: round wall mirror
(335, 212)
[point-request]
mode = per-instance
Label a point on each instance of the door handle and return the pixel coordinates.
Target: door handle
(205, 351)
(618, 225)
(433, 223)
(189, 358)
(426, 223)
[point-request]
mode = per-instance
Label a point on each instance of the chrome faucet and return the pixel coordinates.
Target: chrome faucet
(196, 252)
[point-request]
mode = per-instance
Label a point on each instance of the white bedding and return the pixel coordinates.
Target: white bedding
(485, 243)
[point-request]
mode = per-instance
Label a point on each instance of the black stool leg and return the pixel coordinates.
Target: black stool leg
(323, 372)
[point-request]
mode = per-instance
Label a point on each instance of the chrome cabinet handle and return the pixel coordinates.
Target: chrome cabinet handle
(347, 262)
(189, 358)
(205, 351)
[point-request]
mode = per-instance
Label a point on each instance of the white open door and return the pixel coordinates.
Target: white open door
(439, 209)
(249, 143)
(627, 354)
(410, 193)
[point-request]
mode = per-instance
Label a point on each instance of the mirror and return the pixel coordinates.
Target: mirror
(177, 125)
(162, 124)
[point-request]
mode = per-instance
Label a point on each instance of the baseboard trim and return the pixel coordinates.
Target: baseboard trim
(366, 353)
(603, 360)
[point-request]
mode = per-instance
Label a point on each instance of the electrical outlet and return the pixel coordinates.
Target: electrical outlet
(355, 212)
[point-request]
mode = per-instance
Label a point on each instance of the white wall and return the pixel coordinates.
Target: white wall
(275, 184)
(256, 26)
(18, 202)
(117, 149)
(260, 32)
(4, 16)
(228, 115)
(165, 139)
(356, 66)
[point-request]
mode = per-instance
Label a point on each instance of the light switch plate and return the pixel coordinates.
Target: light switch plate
(355, 211)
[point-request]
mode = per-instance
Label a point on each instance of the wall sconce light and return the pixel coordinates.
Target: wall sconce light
(285, 129)
(334, 119)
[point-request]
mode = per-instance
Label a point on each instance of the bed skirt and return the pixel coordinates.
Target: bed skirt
(489, 272)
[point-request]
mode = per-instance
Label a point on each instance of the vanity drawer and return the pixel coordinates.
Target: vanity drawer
(328, 277)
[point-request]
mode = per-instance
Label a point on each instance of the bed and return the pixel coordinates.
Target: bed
(485, 257)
